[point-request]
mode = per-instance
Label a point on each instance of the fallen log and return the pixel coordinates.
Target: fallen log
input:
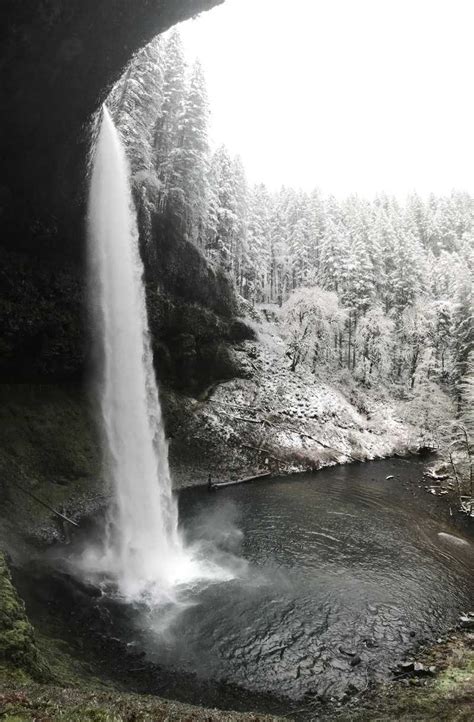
(221, 484)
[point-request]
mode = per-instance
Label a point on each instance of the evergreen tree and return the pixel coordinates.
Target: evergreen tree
(167, 132)
(191, 158)
(135, 101)
(258, 273)
(463, 335)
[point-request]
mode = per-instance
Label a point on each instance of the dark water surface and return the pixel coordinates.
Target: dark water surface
(347, 573)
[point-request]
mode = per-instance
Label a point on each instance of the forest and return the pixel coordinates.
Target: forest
(378, 289)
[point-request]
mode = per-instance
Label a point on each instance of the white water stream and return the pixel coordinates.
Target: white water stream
(143, 551)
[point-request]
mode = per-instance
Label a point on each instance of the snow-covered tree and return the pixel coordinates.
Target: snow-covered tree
(135, 102)
(167, 131)
(312, 318)
(374, 343)
(191, 159)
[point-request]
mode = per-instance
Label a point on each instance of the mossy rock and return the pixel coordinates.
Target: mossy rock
(19, 656)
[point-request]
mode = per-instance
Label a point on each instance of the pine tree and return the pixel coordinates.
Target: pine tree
(167, 130)
(332, 271)
(191, 159)
(135, 101)
(463, 334)
(242, 264)
(316, 228)
(258, 274)
(230, 208)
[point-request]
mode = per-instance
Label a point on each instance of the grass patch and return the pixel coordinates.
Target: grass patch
(448, 697)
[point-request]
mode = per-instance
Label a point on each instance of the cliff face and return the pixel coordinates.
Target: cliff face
(58, 60)
(192, 313)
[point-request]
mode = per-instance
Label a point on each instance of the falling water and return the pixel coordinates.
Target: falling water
(143, 550)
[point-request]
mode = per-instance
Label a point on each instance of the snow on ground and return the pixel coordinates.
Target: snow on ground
(273, 419)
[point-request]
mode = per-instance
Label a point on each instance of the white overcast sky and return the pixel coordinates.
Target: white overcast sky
(346, 95)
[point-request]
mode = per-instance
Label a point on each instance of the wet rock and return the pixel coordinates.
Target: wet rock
(370, 643)
(103, 616)
(347, 651)
(406, 667)
(424, 451)
(352, 689)
(466, 621)
(435, 477)
(421, 670)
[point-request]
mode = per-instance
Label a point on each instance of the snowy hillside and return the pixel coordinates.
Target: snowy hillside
(283, 421)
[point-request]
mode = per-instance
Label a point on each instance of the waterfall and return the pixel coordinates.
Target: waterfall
(143, 551)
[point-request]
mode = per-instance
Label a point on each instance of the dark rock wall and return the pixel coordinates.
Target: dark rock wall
(58, 59)
(192, 312)
(42, 319)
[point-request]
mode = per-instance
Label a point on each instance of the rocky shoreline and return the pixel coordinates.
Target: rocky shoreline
(439, 685)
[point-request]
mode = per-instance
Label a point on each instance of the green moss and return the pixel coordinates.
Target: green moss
(448, 697)
(19, 655)
(48, 445)
(454, 679)
(9, 674)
